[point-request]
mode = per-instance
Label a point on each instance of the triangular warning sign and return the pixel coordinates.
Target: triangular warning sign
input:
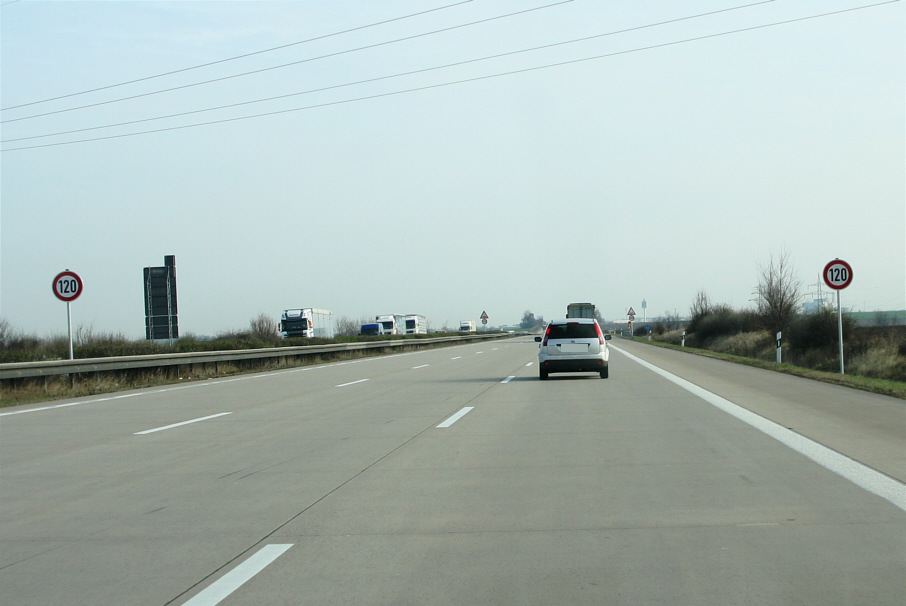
(631, 312)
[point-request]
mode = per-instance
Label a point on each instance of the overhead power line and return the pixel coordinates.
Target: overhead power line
(237, 57)
(380, 78)
(299, 62)
(466, 80)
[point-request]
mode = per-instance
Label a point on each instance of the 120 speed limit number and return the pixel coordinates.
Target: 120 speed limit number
(67, 286)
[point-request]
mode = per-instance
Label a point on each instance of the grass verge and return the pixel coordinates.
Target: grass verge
(896, 389)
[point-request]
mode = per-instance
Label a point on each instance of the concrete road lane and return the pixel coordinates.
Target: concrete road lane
(870, 428)
(93, 513)
(582, 491)
(576, 490)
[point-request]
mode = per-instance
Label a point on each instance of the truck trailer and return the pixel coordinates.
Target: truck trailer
(580, 310)
(306, 322)
(467, 326)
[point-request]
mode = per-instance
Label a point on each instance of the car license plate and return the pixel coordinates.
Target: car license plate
(574, 348)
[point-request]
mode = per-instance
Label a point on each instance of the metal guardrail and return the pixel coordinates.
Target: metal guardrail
(24, 370)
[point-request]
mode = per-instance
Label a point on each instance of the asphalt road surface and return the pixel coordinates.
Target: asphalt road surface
(455, 476)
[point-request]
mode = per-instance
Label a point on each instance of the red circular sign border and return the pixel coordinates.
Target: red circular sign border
(77, 279)
(848, 269)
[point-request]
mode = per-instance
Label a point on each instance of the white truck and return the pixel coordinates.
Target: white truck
(414, 324)
(580, 310)
(391, 324)
(467, 326)
(306, 322)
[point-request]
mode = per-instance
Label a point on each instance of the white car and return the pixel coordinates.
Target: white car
(573, 345)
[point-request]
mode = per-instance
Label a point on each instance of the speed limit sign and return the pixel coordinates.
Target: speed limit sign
(67, 286)
(838, 274)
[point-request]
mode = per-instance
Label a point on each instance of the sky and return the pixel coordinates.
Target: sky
(445, 158)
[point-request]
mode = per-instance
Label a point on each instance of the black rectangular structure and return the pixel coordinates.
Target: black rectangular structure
(161, 317)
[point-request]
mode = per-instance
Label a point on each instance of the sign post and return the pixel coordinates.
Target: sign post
(484, 319)
(837, 275)
(67, 286)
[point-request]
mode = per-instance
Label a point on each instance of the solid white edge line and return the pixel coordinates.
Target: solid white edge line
(68, 404)
(456, 417)
(147, 431)
(236, 578)
(22, 412)
(861, 475)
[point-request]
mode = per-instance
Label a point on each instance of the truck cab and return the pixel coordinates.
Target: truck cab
(370, 330)
(306, 322)
(414, 324)
(389, 324)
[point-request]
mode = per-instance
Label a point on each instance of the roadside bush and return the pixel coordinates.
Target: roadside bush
(674, 337)
(349, 327)
(263, 329)
(882, 360)
(91, 345)
(14, 345)
(19, 348)
(817, 331)
(759, 345)
(721, 321)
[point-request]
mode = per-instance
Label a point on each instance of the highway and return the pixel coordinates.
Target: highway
(455, 476)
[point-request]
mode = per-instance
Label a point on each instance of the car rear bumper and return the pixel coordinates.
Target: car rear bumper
(557, 364)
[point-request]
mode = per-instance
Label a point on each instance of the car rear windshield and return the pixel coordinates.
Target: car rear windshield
(572, 330)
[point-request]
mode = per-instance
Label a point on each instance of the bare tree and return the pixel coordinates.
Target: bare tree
(84, 334)
(264, 328)
(671, 321)
(700, 308)
(778, 292)
(7, 333)
(347, 327)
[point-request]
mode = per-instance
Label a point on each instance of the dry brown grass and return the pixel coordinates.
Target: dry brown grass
(746, 344)
(882, 360)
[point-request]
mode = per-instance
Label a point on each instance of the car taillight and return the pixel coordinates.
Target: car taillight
(547, 334)
(600, 334)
